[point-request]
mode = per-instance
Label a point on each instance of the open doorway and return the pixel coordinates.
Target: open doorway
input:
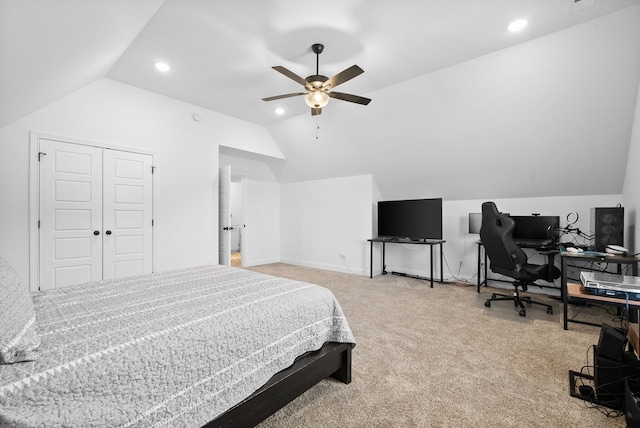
(237, 226)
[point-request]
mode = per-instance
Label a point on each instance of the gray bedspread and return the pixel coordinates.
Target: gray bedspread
(169, 349)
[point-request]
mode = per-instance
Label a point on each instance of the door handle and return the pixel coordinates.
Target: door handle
(108, 232)
(96, 232)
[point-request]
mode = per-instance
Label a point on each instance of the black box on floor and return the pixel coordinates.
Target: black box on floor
(612, 342)
(610, 374)
(631, 399)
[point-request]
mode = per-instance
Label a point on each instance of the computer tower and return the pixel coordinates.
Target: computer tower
(610, 375)
(607, 227)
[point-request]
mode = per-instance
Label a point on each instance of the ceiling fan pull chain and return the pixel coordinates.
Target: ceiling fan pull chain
(317, 126)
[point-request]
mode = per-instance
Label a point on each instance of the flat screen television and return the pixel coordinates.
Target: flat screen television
(414, 219)
(536, 227)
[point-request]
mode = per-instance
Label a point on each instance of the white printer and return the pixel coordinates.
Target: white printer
(611, 285)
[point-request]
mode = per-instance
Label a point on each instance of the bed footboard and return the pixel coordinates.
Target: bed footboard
(332, 360)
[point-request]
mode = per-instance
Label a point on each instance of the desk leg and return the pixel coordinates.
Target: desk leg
(371, 261)
(563, 293)
(485, 281)
(384, 264)
(431, 264)
(441, 267)
(478, 288)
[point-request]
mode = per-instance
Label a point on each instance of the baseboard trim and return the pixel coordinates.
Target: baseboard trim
(326, 266)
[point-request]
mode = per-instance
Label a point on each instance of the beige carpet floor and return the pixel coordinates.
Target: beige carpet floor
(438, 358)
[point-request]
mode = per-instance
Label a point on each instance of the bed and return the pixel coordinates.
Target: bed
(207, 346)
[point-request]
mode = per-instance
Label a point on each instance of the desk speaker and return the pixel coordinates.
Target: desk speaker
(607, 227)
(612, 342)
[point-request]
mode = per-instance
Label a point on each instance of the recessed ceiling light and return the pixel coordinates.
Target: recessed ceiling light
(518, 25)
(161, 66)
(280, 111)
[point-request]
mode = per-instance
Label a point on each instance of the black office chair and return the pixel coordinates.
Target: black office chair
(508, 259)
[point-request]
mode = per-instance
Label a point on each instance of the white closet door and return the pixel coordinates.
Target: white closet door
(70, 214)
(127, 208)
(224, 217)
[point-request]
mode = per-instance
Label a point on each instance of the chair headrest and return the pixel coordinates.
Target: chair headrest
(490, 209)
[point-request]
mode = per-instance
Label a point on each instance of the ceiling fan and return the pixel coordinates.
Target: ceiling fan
(319, 87)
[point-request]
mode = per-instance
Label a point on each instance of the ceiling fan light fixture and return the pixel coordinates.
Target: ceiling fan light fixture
(317, 99)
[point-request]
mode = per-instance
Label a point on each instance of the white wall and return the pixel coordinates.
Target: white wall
(322, 219)
(631, 190)
(325, 223)
(314, 233)
(186, 156)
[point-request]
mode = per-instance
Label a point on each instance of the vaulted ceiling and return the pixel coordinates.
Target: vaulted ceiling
(462, 108)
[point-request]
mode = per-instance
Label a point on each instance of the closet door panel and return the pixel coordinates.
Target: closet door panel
(127, 213)
(70, 214)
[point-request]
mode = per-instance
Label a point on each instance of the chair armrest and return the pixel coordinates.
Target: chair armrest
(550, 262)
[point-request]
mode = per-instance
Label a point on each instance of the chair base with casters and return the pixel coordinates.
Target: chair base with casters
(517, 299)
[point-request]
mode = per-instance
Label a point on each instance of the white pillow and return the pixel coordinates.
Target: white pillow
(19, 340)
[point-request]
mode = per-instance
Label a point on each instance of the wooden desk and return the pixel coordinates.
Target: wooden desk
(567, 258)
(576, 291)
(429, 242)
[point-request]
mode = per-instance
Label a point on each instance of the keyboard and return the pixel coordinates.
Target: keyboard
(533, 243)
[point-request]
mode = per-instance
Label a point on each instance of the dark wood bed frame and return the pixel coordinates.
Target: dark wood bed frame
(332, 360)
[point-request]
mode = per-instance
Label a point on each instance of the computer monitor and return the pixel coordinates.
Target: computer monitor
(475, 222)
(536, 227)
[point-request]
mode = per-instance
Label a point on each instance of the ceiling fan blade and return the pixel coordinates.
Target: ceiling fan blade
(343, 76)
(277, 97)
(291, 75)
(315, 111)
(348, 97)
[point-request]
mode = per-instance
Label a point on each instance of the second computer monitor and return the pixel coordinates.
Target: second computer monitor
(536, 227)
(475, 222)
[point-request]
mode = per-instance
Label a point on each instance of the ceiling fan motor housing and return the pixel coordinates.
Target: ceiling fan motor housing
(316, 80)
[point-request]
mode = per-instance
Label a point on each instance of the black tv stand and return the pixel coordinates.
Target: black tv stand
(429, 242)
